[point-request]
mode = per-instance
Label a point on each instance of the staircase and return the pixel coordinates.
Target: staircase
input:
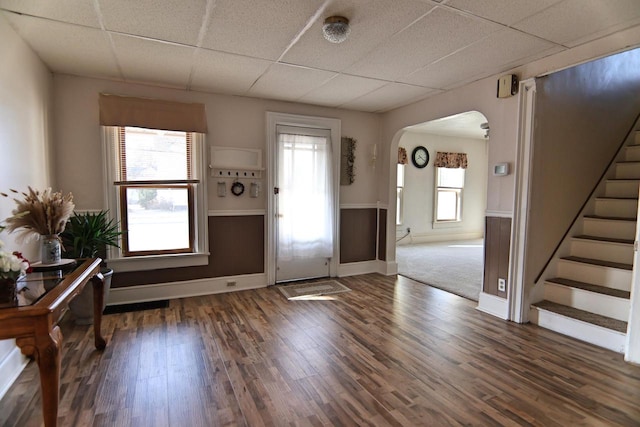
(587, 293)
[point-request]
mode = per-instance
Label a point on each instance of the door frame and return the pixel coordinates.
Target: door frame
(274, 119)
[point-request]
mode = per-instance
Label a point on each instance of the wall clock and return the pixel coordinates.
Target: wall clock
(420, 157)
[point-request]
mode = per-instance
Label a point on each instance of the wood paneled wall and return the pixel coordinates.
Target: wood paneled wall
(382, 234)
(496, 254)
(358, 234)
(236, 246)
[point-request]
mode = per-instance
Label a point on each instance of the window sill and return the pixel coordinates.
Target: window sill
(155, 262)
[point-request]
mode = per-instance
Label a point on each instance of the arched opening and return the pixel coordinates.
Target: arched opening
(440, 202)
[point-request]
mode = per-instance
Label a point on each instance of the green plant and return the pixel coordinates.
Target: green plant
(87, 235)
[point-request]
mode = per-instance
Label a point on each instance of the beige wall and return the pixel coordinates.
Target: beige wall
(419, 189)
(233, 121)
(25, 89)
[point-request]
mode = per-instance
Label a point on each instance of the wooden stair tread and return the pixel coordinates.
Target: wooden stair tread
(600, 262)
(611, 218)
(618, 293)
(604, 239)
(585, 316)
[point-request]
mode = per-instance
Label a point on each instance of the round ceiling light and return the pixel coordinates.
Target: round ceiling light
(336, 29)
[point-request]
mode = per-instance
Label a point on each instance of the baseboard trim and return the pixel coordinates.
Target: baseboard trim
(493, 305)
(355, 268)
(365, 267)
(188, 288)
(434, 238)
(10, 368)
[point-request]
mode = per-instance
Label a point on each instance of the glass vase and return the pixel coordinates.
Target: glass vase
(50, 249)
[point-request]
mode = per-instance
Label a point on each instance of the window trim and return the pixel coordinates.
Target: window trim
(200, 255)
(400, 196)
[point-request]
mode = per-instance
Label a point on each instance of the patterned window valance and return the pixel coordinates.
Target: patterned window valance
(451, 160)
(403, 159)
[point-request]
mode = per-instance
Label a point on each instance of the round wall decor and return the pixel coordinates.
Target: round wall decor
(420, 157)
(237, 188)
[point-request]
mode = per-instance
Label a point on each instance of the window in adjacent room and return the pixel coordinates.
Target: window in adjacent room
(399, 194)
(449, 187)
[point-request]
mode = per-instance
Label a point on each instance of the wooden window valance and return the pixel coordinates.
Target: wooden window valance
(403, 159)
(152, 113)
(450, 160)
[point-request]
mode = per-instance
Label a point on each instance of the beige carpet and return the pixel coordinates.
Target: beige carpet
(455, 267)
(313, 289)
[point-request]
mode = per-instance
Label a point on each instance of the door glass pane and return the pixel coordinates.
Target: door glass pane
(157, 218)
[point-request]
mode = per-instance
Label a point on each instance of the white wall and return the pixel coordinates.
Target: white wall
(233, 121)
(420, 188)
(25, 89)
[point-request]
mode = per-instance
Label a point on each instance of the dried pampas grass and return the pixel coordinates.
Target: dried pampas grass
(40, 213)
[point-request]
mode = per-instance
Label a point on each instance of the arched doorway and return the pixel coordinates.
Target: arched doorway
(440, 208)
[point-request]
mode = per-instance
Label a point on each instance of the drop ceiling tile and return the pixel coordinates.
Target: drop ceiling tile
(504, 11)
(438, 34)
(572, 22)
(262, 29)
(66, 48)
(341, 89)
(170, 20)
(225, 73)
(150, 61)
(388, 97)
(372, 23)
(286, 82)
(80, 12)
(498, 52)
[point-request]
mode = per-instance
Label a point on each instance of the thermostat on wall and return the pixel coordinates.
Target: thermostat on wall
(501, 169)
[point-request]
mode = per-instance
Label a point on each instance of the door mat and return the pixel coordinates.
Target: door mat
(309, 290)
(136, 306)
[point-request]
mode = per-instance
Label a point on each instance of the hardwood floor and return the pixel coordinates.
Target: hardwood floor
(392, 352)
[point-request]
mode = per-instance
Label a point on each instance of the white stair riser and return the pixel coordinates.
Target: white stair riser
(622, 188)
(583, 331)
(614, 278)
(632, 153)
(627, 170)
(605, 251)
(617, 229)
(621, 208)
(604, 305)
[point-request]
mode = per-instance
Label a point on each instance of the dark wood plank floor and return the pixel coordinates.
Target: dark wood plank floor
(391, 353)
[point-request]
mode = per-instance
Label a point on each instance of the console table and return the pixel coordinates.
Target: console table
(33, 321)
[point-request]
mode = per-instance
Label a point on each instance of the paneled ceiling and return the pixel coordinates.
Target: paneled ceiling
(398, 52)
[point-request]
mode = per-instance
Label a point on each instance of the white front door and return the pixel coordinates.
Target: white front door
(303, 203)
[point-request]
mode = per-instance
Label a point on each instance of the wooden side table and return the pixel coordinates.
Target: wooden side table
(33, 322)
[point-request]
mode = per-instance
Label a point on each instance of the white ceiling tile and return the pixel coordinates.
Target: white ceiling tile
(80, 12)
(65, 48)
(225, 73)
(372, 23)
(504, 11)
(341, 89)
(171, 20)
(498, 52)
(438, 34)
(262, 29)
(287, 82)
(389, 97)
(576, 21)
(152, 61)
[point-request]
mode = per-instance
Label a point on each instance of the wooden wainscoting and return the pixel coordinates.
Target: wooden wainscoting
(497, 243)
